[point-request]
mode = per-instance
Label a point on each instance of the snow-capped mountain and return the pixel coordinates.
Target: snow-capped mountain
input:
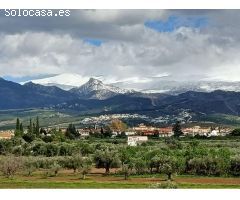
(96, 89)
(65, 81)
(178, 87)
(69, 81)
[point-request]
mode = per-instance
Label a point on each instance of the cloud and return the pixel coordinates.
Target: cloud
(132, 48)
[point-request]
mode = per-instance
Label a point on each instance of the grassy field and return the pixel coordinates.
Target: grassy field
(67, 179)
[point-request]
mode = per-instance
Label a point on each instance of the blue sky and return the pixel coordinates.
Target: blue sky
(94, 42)
(175, 22)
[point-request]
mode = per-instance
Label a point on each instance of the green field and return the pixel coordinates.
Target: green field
(70, 181)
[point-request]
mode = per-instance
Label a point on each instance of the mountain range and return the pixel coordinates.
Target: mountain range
(94, 97)
(165, 85)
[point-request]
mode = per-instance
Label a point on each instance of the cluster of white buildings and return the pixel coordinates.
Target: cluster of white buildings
(206, 131)
(183, 116)
(108, 118)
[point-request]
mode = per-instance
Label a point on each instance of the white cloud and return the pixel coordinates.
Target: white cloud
(130, 53)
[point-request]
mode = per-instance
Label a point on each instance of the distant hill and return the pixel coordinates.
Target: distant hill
(14, 95)
(202, 102)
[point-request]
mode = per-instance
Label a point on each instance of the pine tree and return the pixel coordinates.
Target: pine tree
(17, 129)
(17, 125)
(34, 129)
(21, 128)
(30, 128)
(177, 130)
(37, 126)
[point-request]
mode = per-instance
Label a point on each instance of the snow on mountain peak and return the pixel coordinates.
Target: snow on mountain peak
(96, 85)
(96, 89)
(65, 81)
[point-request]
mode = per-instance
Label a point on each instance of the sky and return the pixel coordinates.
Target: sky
(130, 47)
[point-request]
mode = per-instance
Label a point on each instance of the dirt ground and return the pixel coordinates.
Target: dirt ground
(98, 176)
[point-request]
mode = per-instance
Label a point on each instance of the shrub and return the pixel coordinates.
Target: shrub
(235, 166)
(39, 148)
(51, 150)
(65, 150)
(207, 166)
(17, 151)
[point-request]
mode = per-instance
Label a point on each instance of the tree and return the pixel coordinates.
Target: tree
(85, 148)
(51, 150)
(37, 127)
(73, 162)
(65, 149)
(124, 155)
(17, 124)
(43, 131)
(126, 170)
(28, 137)
(106, 158)
(21, 128)
(71, 132)
(118, 125)
(235, 166)
(10, 165)
(30, 165)
(30, 127)
(139, 165)
(55, 167)
(18, 129)
(107, 132)
(177, 130)
(85, 167)
(235, 132)
(170, 165)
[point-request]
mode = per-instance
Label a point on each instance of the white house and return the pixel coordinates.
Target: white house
(213, 133)
(135, 140)
(130, 133)
(84, 132)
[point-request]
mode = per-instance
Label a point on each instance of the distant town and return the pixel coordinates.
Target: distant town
(116, 128)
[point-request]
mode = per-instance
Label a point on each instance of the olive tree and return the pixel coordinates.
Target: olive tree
(73, 162)
(139, 165)
(30, 165)
(127, 170)
(171, 165)
(85, 167)
(10, 165)
(235, 166)
(55, 167)
(106, 157)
